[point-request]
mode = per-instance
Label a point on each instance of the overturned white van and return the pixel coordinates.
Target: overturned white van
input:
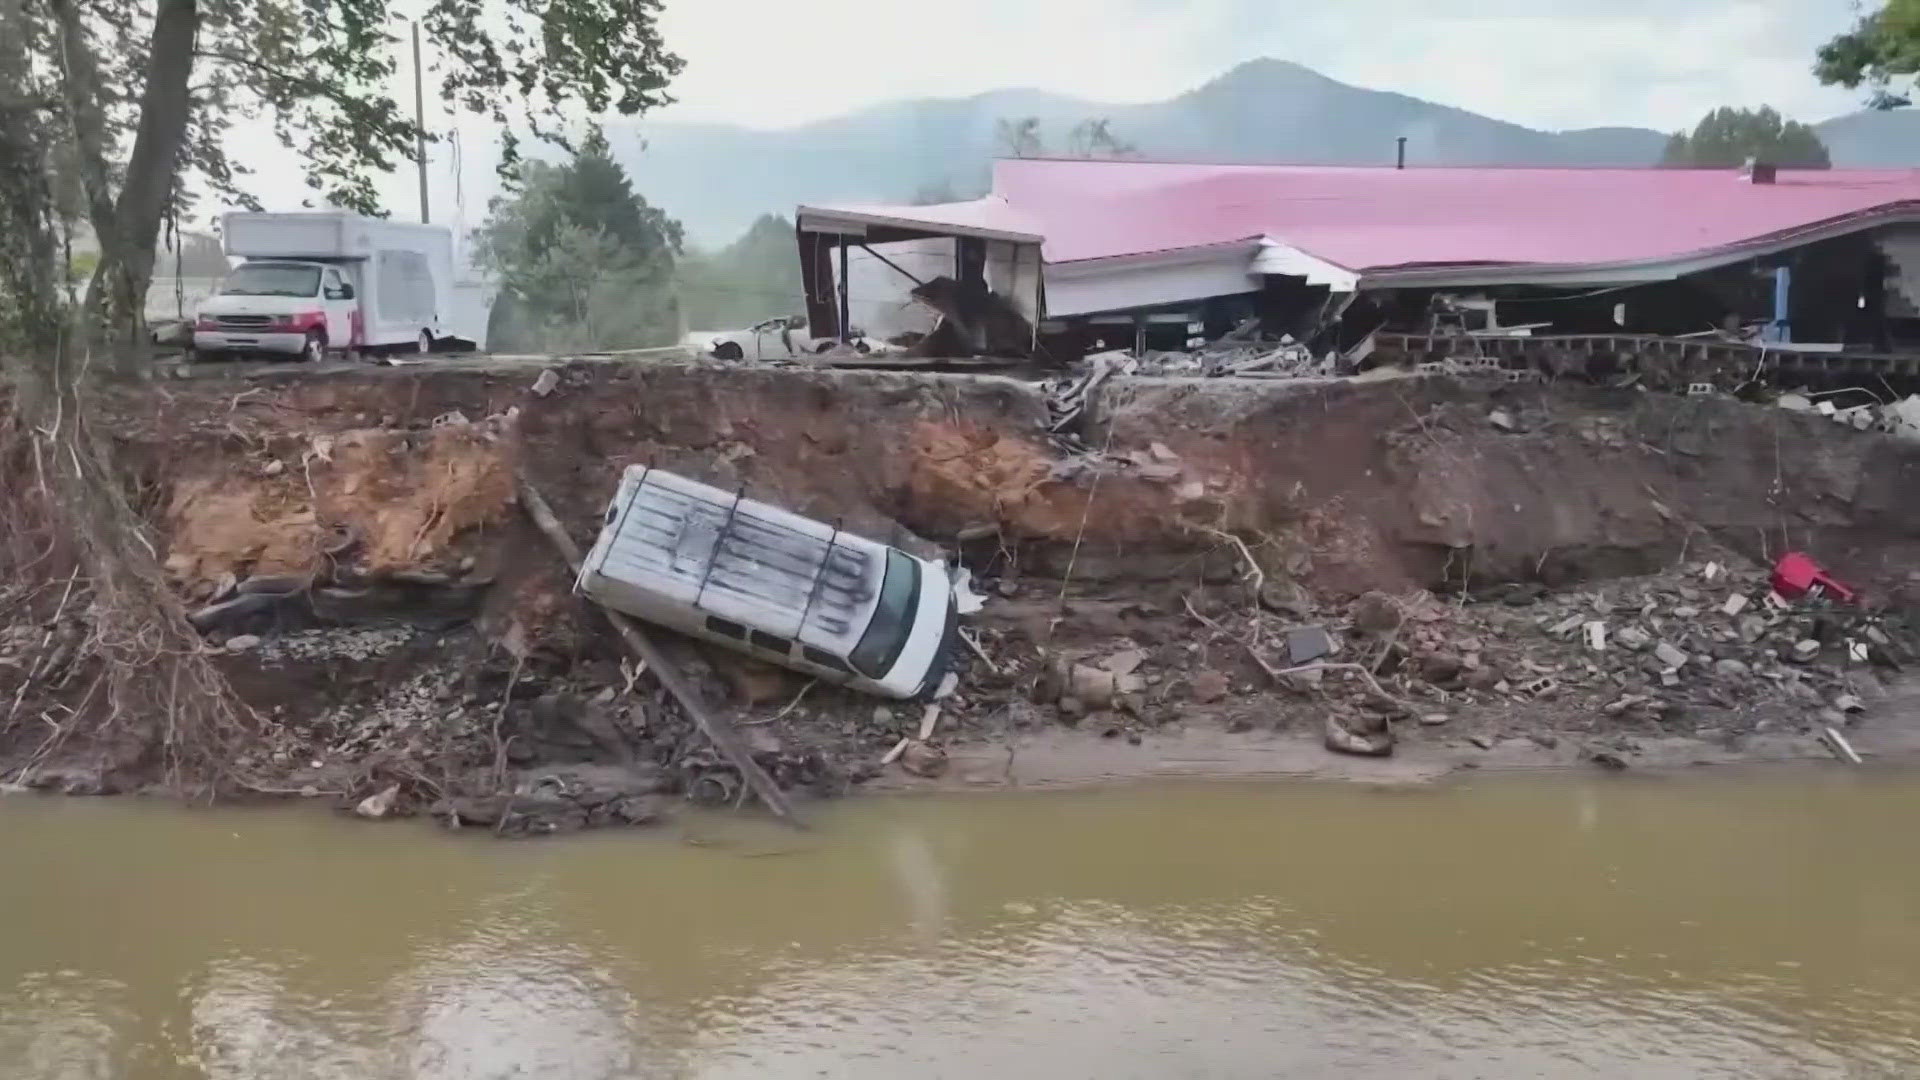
(770, 583)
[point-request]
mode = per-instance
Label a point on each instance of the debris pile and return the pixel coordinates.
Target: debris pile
(1900, 417)
(1649, 654)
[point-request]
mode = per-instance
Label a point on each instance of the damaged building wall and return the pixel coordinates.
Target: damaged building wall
(1014, 271)
(881, 296)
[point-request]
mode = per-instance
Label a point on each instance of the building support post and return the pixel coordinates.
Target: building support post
(846, 322)
(1781, 328)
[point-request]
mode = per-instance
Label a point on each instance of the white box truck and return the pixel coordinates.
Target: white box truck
(314, 283)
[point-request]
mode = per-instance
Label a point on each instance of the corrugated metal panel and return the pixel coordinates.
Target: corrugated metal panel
(744, 560)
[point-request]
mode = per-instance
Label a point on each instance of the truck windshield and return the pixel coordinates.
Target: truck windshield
(272, 279)
(892, 619)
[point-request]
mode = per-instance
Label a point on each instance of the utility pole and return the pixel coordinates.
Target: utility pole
(420, 122)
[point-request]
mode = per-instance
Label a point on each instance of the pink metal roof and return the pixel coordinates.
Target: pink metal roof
(987, 216)
(1372, 219)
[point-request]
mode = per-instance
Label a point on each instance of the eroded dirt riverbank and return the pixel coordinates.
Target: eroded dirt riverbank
(351, 545)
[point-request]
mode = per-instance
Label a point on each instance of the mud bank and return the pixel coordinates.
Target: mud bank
(350, 544)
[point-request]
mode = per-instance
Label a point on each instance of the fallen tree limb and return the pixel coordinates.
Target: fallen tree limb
(716, 728)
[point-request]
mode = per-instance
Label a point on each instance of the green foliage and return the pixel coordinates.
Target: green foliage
(81, 266)
(583, 262)
(1089, 139)
(1881, 52)
(756, 277)
(123, 107)
(1726, 138)
(1095, 139)
(1019, 138)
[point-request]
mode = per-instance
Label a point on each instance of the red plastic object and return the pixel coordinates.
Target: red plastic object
(1797, 575)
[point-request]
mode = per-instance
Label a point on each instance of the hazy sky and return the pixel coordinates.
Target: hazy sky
(1544, 63)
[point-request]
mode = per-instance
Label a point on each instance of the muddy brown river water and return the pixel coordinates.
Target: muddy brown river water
(1739, 925)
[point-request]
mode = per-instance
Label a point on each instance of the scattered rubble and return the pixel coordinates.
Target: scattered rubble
(414, 652)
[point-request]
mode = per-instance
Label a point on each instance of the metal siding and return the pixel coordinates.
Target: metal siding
(738, 559)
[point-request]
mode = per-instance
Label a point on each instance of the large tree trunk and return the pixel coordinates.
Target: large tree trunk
(129, 227)
(152, 699)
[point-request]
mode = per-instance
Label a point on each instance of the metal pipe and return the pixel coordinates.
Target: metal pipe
(890, 262)
(1401, 161)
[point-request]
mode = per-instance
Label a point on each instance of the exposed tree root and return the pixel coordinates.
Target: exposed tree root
(122, 679)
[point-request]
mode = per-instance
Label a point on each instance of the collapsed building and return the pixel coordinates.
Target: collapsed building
(1804, 265)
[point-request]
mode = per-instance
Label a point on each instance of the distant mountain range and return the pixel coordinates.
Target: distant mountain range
(716, 178)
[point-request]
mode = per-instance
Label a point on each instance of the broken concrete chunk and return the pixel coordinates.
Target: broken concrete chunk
(1670, 656)
(379, 804)
(1733, 669)
(1208, 686)
(1849, 703)
(1501, 419)
(1377, 742)
(544, 385)
(1162, 452)
(1806, 649)
(1633, 637)
(1285, 596)
(1752, 628)
(1441, 667)
(243, 642)
(1566, 626)
(923, 760)
(1735, 604)
(1596, 632)
(1092, 685)
(1306, 644)
(1125, 662)
(1376, 613)
(1433, 719)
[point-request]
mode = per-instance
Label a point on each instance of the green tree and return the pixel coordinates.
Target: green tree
(583, 262)
(1726, 138)
(128, 102)
(1095, 139)
(1019, 138)
(756, 277)
(1881, 52)
(1088, 139)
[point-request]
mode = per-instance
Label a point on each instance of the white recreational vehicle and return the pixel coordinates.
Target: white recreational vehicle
(313, 283)
(773, 584)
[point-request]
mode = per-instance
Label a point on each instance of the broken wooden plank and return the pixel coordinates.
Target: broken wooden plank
(716, 728)
(893, 755)
(1841, 748)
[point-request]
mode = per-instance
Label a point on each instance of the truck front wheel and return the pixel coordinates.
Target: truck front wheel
(314, 349)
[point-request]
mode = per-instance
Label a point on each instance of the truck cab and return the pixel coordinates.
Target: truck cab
(290, 307)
